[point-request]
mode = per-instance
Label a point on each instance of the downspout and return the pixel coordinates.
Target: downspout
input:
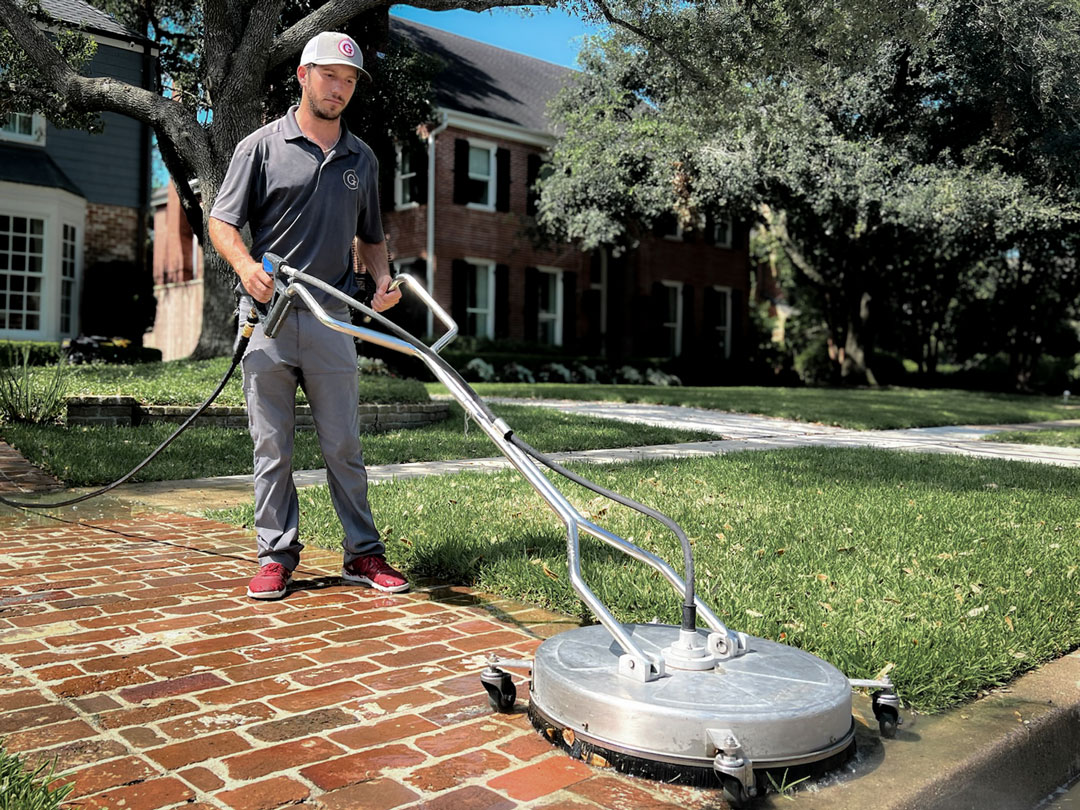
(430, 243)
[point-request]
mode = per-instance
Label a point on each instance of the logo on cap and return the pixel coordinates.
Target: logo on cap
(351, 180)
(346, 47)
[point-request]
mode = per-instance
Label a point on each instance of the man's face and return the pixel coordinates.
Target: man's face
(327, 88)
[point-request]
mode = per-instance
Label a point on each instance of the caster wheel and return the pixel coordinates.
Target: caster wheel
(887, 716)
(735, 794)
(501, 692)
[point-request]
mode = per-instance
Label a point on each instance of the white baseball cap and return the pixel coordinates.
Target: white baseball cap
(332, 48)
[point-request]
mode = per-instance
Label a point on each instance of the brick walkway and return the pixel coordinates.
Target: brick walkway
(19, 475)
(129, 652)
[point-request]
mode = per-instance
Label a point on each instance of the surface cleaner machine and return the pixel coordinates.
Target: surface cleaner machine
(686, 704)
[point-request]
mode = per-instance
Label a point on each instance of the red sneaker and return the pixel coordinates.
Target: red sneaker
(270, 583)
(375, 572)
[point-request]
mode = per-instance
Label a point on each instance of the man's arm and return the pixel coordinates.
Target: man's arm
(228, 242)
(373, 256)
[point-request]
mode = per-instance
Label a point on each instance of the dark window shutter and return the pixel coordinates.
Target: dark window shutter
(502, 301)
(738, 320)
(590, 304)
(710, 230)
(502, 179)
(461, 171)
(413, 315)
(533, 163)
(688, 334)
(532, 289)
(459, 291)
(711, 315)
(569, 312)
(419, 182)
(657, 334)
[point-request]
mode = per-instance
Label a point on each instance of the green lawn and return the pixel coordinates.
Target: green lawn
(88, 456)
(960, 572)
(1065, 437)
(861, 409)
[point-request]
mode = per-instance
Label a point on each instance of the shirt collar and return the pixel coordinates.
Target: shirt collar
(291, 131)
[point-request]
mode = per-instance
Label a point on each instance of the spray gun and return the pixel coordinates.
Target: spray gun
(272, 313)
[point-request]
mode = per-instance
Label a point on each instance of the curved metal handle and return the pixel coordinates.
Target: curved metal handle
(421, 291)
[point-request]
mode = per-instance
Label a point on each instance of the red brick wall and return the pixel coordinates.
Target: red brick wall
(173, 256)
(112, 232)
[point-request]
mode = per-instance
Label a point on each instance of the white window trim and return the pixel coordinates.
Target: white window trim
(678, 324)
(726, 330)
(726, 243)
(36, 138)
(489, 266)
(56, 207)
(76, 287)
(557, 316)
(399, 183)
(492, 178)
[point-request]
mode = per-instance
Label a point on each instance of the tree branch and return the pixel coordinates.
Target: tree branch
(777, 225)
(82, 94)
(334, 16)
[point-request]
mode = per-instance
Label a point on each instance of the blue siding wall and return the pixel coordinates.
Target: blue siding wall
(105, 166)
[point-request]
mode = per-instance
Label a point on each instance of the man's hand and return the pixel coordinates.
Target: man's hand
(383, 300)
(258, 283)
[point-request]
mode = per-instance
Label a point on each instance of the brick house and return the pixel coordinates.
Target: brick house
(70, 199)
(458, 213)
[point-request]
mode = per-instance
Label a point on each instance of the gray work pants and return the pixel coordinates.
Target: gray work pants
(323, 362)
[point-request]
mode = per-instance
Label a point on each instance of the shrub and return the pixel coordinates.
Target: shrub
(23, 789)
(41, 353)
(655, 376)
(372, 366)
(32, 398)
(629, 375)
(515, 372)
(585, 374)
(554, 372)
(478, 370)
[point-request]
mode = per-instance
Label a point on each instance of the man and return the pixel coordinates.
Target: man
(306, 186)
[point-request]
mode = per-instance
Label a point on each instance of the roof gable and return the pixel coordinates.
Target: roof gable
(80, 14)
(483, 80)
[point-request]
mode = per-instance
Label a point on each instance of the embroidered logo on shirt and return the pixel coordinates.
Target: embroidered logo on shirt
(346, 47)
(351, 180)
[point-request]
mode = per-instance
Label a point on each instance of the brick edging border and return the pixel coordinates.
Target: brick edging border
(127, 411)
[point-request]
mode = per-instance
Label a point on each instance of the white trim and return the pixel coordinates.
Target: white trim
(56, 207)
(556, 316)
(726, 329)
(497, 129)
(727, 243)
(35, 138)
(493, 175)
(400, 179)
(678, 323)
(487, 265)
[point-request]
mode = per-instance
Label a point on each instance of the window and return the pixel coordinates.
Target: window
(672, 229)
(480, 298)
(673, 317)
(721, 318)
(404, 179)
(24, 128)
(722, 232)
(69, 246)
(549, 298)
(481, 184)
(22, 268)
(598, 280)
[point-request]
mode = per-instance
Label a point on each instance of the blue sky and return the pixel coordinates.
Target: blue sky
(552, 35)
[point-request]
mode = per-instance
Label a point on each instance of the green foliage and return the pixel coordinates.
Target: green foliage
(32, 397)
(961, 572)
(22, 87)
(41, 353)
(889, 149)
(23, 788)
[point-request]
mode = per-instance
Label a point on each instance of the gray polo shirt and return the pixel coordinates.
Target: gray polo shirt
(301, 204)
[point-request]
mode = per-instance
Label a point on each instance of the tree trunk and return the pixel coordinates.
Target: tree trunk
(858, 344)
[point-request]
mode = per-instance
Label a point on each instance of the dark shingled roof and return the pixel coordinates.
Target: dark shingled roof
(83, 15)
(32, 166)
(484, 80)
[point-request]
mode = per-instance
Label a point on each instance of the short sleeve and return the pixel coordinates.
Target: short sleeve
(231, 203)
(369, 219)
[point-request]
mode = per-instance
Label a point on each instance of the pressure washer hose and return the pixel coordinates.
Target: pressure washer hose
(238, 354)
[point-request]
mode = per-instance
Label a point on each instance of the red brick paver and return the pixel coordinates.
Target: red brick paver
(129, 652)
